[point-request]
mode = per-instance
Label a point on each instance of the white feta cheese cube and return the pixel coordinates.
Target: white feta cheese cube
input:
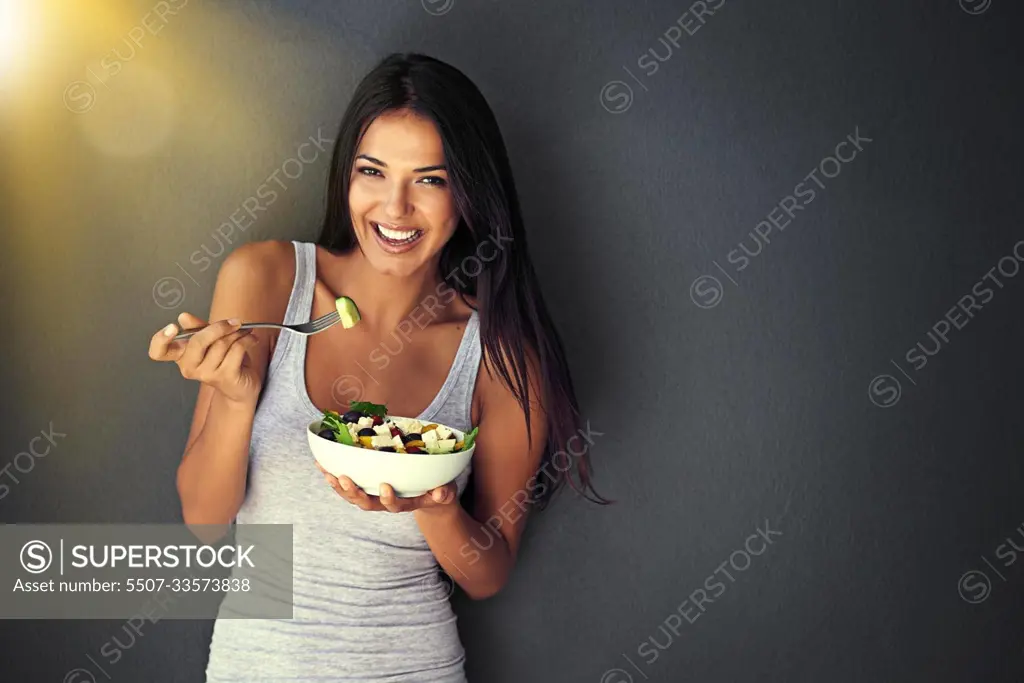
(396, 441)
(442, 432)
(383, 430)
(446, 445)
(409, 425)
(430, 438)
(379, 441)
(365, 422)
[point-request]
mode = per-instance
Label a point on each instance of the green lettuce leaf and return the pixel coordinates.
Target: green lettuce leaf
(470, 438)
(369, 408)
(332, 421)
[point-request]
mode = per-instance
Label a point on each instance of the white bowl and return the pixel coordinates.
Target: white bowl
(409, 474)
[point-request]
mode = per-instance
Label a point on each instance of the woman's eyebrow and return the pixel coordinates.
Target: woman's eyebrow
(425, 169)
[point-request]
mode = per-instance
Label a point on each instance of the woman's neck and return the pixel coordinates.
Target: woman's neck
(386, 300)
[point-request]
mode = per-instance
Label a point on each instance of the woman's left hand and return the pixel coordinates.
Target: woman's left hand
(440, 497)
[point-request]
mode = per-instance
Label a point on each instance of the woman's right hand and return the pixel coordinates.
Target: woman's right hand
(215, 356)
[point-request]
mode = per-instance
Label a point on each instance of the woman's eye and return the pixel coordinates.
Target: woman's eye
(375, 173)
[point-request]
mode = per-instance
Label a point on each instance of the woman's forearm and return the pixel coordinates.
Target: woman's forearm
(211, 476)
(474, 555)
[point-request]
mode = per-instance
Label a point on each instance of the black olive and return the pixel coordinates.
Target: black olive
(411, 437)
(389, 449)
(327, 434)
(366, 431)
(351, 416)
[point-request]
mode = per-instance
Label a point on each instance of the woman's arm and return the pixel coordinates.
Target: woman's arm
(212, 473)
(478, 551)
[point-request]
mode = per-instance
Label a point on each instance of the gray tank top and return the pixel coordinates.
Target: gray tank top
(369, 604)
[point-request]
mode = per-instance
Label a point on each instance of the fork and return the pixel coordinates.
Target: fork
(312, 327)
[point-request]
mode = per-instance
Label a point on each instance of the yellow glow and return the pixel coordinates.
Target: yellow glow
(14, 33)
(127, 136)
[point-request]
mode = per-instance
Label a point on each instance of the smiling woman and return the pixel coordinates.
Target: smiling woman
(422, 226)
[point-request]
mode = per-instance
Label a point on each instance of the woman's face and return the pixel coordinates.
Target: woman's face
(401, 204)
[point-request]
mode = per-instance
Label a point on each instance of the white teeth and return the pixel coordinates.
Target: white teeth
(398, 235)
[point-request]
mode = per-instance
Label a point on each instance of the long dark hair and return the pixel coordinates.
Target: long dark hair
(511, 308)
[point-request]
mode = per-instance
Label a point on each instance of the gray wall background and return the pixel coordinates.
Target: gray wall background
(777, 394)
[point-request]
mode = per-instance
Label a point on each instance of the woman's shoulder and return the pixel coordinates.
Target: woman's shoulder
(267, 264)
(264, 270)
(265, 255)
(460, 311)
(471, 304)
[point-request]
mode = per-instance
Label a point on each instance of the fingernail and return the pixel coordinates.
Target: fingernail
(233, 321)
(169, 330)
(344, 485)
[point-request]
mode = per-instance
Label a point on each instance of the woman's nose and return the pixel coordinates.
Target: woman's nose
(397, 204)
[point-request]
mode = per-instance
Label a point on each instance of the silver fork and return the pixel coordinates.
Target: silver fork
(312, 327)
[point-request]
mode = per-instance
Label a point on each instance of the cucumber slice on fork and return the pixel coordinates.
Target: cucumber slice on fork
(347, 311)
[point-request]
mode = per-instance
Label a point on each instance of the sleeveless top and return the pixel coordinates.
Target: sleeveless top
(369, 602)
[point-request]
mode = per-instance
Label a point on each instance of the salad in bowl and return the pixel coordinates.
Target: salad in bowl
(371, 447)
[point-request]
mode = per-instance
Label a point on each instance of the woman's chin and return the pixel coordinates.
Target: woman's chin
(399, 265)
(388, 263)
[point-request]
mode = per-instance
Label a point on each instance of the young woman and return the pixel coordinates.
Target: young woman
(423, 231)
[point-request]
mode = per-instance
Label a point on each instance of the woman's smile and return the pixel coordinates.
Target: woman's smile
(396, 239)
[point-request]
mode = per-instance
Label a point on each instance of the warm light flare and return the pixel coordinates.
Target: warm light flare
(15, 30)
